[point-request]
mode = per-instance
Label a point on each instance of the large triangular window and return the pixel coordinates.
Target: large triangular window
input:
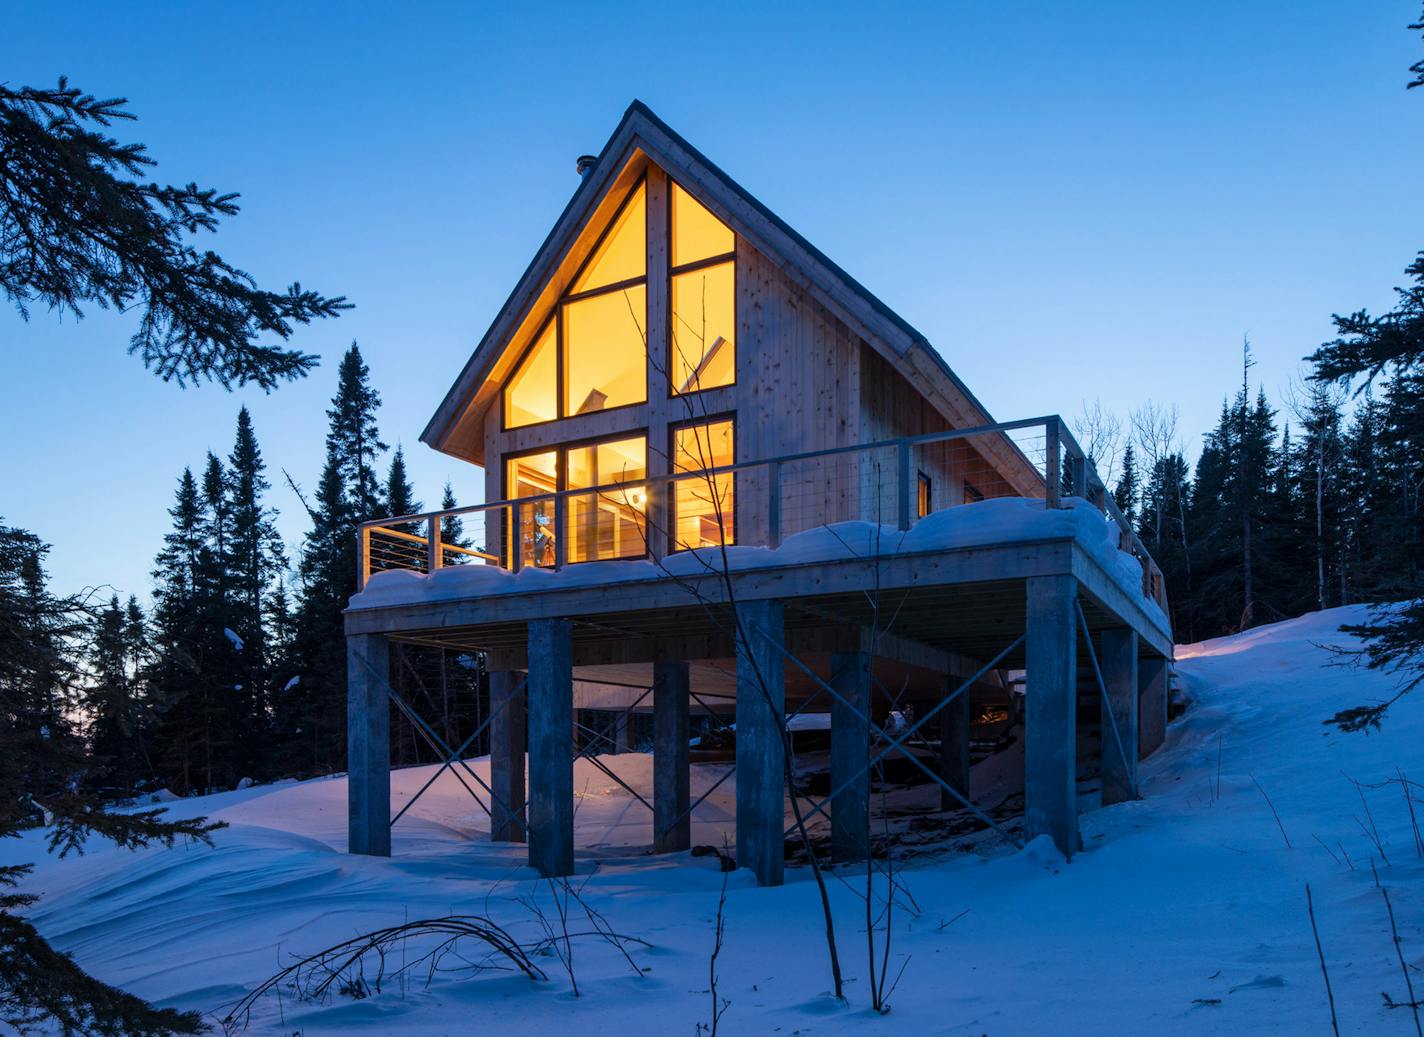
(593, 354)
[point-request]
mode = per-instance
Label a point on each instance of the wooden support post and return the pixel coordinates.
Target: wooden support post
(850, 752)
(954, 749)
(434, 551)
(761, 716)
(1119, 666)
(551, 760)
(1050, 744)
(672, 826)
(1152, 683)
(509, 741)
(368, 744)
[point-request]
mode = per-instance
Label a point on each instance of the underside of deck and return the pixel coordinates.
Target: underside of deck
(864, 634)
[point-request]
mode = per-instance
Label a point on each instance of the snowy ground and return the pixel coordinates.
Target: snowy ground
(1185, 914)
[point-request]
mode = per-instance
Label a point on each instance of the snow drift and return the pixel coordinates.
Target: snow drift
(1185, 914)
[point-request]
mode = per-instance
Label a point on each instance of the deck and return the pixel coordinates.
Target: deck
(929, 609)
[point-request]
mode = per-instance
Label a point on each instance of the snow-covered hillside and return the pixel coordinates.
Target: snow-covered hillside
(1185, 914)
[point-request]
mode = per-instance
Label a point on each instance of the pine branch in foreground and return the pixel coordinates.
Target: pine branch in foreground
(78, 227)
(42, 989)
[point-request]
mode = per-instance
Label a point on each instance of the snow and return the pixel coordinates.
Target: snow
(231, 635)
(292, 683)
(1184, 914)
(1001, 520)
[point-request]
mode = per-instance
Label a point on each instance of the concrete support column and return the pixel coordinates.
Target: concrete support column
(551, 761)
(672, 826)
(509, 741)
(620, 732)
(1050, 742)
(954, 749)
(850, 752)
(368, 745)
(1119, 664)
(1152, 682)
(761, 714)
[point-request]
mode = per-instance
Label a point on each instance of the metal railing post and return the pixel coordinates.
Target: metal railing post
(561, 530)
(904, 482)
(773, 504)
(1052, 461)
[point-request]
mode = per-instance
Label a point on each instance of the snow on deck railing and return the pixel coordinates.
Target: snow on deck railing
(645, 514)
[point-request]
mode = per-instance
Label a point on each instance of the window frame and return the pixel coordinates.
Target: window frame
(687, 268)
(556, 315)
(924, 487)
(561, 475)
(674, 427)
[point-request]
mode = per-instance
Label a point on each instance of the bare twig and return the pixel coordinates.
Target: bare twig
(1320, 951)
(1274, 813)
(1399, 951)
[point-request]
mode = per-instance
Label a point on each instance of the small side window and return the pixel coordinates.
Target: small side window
(926, 501)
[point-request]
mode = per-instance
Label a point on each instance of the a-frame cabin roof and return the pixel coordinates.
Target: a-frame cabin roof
(457, 427)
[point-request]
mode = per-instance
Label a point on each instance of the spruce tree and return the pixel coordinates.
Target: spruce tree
(40, 787)
(314, 713)
(256, 557)
(400, 494)
(452, 527)
(113, 707)
(1128, 489)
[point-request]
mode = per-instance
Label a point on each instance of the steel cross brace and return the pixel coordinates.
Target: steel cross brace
(451, 756)
(899, 743)
(1107, 704)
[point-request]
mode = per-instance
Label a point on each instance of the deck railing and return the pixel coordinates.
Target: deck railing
(758, 503)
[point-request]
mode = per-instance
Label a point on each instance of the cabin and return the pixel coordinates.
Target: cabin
(722, 477)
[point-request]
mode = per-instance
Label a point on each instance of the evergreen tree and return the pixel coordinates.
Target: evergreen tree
(314, 713)
(256, 557)
(113, 706)
(353, 438)
(40, 636)
(1128, 489)
(452, 527)
(400, 494)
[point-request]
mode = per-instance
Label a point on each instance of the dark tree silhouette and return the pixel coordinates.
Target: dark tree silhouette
(78, 226)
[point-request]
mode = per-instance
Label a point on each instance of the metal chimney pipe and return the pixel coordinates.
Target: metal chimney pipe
(585, 163)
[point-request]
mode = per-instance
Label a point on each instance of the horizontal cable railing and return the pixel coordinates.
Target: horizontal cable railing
(759, 503)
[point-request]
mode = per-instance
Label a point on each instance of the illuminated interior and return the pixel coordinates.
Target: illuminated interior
(704, 277)
(696, 233)
(598, 339)
(527, 476)
(611, 523)
(623, 253)
(605, 351)
(530, 396)
(703, 328)
(704, 510)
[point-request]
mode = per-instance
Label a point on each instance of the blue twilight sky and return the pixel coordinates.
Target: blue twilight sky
(1071, 200)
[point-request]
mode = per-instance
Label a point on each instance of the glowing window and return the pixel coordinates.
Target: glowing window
(610, 523)
(528, 476)
(623, 253)
(704, 353)
(696, 233)
(605, 350)
(924, 501)
(532, 394)
(704, 508)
